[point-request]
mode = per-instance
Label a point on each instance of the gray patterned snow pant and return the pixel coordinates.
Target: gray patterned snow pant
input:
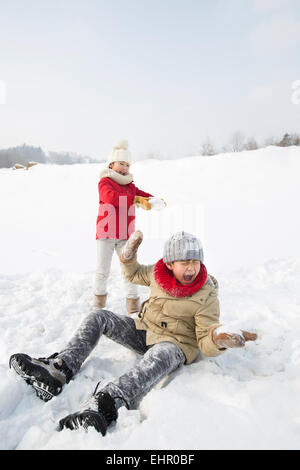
(157, 361)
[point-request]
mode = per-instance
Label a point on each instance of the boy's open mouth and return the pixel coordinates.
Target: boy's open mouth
(188, 277)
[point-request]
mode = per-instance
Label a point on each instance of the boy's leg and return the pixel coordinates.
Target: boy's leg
(119, 328)
(48, 375)
(128, 390)
(160, 360)
(105, 249)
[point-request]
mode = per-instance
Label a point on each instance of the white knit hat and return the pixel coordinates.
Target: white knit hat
(182, 246)
(120, 153)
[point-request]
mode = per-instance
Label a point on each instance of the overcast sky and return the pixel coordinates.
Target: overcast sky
(164, 74)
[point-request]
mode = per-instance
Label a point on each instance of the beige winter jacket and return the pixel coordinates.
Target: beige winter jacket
(185, 321)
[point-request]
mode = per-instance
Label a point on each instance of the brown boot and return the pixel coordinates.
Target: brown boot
(100, 300)
(132, 305)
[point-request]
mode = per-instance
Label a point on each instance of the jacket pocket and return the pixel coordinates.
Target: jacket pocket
(168, 325)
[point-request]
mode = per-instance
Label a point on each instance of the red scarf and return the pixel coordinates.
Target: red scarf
(166, 280)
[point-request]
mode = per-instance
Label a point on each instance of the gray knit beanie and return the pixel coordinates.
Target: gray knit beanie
(182, 246)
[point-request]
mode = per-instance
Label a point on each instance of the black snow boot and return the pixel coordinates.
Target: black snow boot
(46, 375)
(99, 412)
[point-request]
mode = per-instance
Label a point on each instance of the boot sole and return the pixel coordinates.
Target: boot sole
(85, 419)
(45, 386)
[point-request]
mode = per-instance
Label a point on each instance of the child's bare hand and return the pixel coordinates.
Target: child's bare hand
(224, 339)
(130, 248)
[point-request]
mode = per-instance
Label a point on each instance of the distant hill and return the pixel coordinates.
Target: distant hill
(27, 153)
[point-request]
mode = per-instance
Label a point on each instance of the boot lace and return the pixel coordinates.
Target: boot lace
(106, 404)
(61, 367)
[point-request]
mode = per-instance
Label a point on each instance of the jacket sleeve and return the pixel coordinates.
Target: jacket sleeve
(109, 195)
(139, 192)
(206, 320)
(137, 273)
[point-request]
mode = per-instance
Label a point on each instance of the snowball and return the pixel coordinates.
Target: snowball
(157, 203)
(229, 329)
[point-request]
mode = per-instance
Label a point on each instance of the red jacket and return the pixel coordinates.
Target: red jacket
(116, 216)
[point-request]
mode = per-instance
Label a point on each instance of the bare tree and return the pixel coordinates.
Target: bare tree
(237, 142)
(251, 144)
(296, 139)
(207, 148)
(270, 141)
(286, 141)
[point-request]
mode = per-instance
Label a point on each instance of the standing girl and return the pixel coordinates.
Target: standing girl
(118, 197)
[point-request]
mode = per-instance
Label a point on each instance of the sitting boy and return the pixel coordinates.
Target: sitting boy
(180, 316)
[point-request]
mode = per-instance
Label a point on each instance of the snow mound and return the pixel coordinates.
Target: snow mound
(243, 212)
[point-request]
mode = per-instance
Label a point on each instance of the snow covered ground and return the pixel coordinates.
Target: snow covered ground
(244, 208)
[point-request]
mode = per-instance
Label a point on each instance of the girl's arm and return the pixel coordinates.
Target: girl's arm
(139, 192)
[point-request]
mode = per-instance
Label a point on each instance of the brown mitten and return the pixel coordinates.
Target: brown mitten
(142, 202)
(227, 339)
(130, 248)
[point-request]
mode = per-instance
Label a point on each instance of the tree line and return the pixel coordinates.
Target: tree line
(24, 154)
(239, 142)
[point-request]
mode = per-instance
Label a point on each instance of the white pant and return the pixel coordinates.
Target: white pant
(105, 250)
